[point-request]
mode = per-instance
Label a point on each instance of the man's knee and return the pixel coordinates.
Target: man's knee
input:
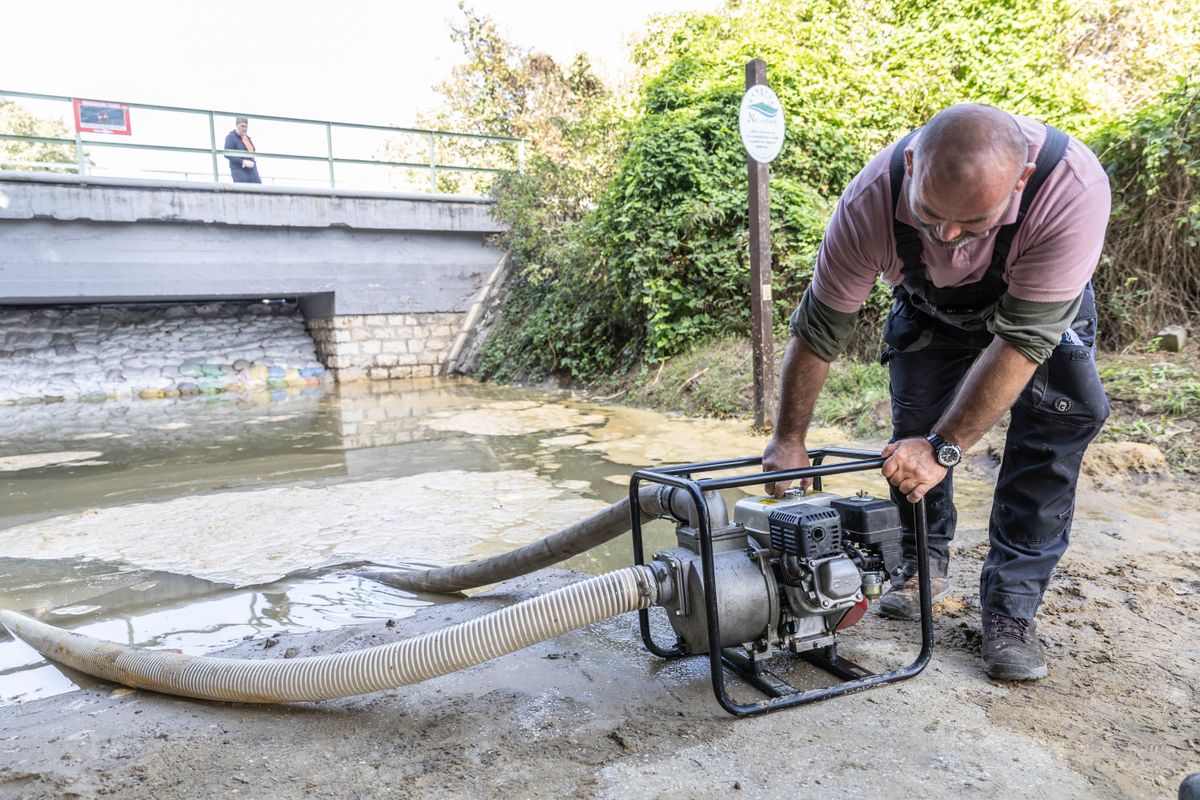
(1033, 535)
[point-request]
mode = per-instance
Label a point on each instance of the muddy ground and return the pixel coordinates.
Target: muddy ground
(592, 714)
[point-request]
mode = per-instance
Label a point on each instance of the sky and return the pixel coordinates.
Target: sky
(352, 60)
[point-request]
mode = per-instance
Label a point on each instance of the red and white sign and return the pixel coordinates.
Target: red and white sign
(99, 116)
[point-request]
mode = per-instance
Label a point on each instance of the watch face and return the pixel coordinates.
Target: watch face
(948, 455)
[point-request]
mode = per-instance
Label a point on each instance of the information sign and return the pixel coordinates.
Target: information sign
(761, 123)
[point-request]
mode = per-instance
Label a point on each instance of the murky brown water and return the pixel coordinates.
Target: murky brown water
(175, 523)
(182, 524)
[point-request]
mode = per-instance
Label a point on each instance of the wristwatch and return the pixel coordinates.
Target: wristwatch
(948, 454)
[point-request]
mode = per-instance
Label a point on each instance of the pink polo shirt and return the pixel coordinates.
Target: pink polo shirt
(1053, 254)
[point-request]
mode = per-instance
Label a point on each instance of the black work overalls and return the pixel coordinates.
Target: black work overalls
(934, 336)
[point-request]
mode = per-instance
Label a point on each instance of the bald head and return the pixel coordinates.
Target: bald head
(965, 166)
(970, 143)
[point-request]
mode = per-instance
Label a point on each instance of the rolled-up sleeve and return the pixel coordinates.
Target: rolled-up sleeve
(826, 331)
(1033, 329)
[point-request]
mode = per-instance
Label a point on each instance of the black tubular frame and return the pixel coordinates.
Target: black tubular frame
(854, 678)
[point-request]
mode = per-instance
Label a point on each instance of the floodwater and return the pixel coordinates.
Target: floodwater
(191, 524)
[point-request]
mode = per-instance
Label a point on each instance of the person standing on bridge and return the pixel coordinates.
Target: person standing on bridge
(242, 169)
(988, 227)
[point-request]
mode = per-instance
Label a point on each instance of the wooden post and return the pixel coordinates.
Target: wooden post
(761, 337)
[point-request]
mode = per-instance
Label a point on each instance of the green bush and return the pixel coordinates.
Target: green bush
(661, 260)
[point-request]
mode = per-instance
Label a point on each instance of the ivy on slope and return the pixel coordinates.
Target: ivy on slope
(658, 257)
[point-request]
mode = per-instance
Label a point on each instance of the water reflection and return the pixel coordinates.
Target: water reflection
(177, 612)
(175, 464)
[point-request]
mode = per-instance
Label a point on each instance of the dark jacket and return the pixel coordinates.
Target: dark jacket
(239, 173)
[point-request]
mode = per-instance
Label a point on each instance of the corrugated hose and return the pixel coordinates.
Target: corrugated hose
(346, 674)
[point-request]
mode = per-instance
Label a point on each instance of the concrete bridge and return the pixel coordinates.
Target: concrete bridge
(390, 284)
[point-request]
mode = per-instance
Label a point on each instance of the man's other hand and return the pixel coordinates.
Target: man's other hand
(912, 468)
(781, 454)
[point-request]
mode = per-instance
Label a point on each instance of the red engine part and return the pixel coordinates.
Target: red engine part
(853, 614)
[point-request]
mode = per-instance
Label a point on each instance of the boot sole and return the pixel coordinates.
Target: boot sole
(1013, 672)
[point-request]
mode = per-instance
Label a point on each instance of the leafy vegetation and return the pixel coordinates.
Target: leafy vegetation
(1156, 400)
(710, 380)
(628, 228)
(1155, 396)
(32, 156)
(855, 397)
(1149, 275)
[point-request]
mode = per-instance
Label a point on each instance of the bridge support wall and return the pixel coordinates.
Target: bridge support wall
(385, 346)
(385, 281)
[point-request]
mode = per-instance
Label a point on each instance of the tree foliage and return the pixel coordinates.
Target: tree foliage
(558, 314)
(32, 156)
(502, 89)
(629, 229)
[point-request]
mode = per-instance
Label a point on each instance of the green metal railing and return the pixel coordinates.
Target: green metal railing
(431, 137)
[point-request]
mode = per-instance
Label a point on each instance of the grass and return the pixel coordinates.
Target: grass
(716, 379)
(1164, 388)
(1156, 400)
(855, 397)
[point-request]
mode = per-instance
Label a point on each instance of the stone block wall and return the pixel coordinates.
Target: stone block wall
(385, 346)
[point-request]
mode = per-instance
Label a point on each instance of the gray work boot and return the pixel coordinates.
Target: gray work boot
(1011, 650)
(903, 600)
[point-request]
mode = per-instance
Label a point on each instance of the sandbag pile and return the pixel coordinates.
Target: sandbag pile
(98, 353)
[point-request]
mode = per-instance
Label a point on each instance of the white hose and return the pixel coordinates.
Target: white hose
(345, 674)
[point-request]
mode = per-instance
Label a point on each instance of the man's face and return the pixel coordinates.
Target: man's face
(951, 234)
(953, 214)
(241, 128)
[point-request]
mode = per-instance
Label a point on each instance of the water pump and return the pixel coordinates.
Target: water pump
(790, 572)
(782, 575)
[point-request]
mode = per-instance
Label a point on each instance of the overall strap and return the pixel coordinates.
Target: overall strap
(1053, 149)
(908, 238)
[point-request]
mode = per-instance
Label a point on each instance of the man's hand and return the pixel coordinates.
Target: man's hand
(785, 454)
(912, 468)
(247, 163)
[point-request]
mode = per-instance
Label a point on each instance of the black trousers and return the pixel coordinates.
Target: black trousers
(241, 174)
(1057, 415)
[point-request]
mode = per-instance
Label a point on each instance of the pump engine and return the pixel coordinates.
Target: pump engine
(789, 573)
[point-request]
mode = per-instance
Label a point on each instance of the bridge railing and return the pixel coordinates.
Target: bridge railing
(186, 144)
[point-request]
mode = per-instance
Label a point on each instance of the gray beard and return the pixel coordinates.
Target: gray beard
(953, 244)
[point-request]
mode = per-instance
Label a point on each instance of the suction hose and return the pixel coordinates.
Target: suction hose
(655, 501)
(346, 674)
